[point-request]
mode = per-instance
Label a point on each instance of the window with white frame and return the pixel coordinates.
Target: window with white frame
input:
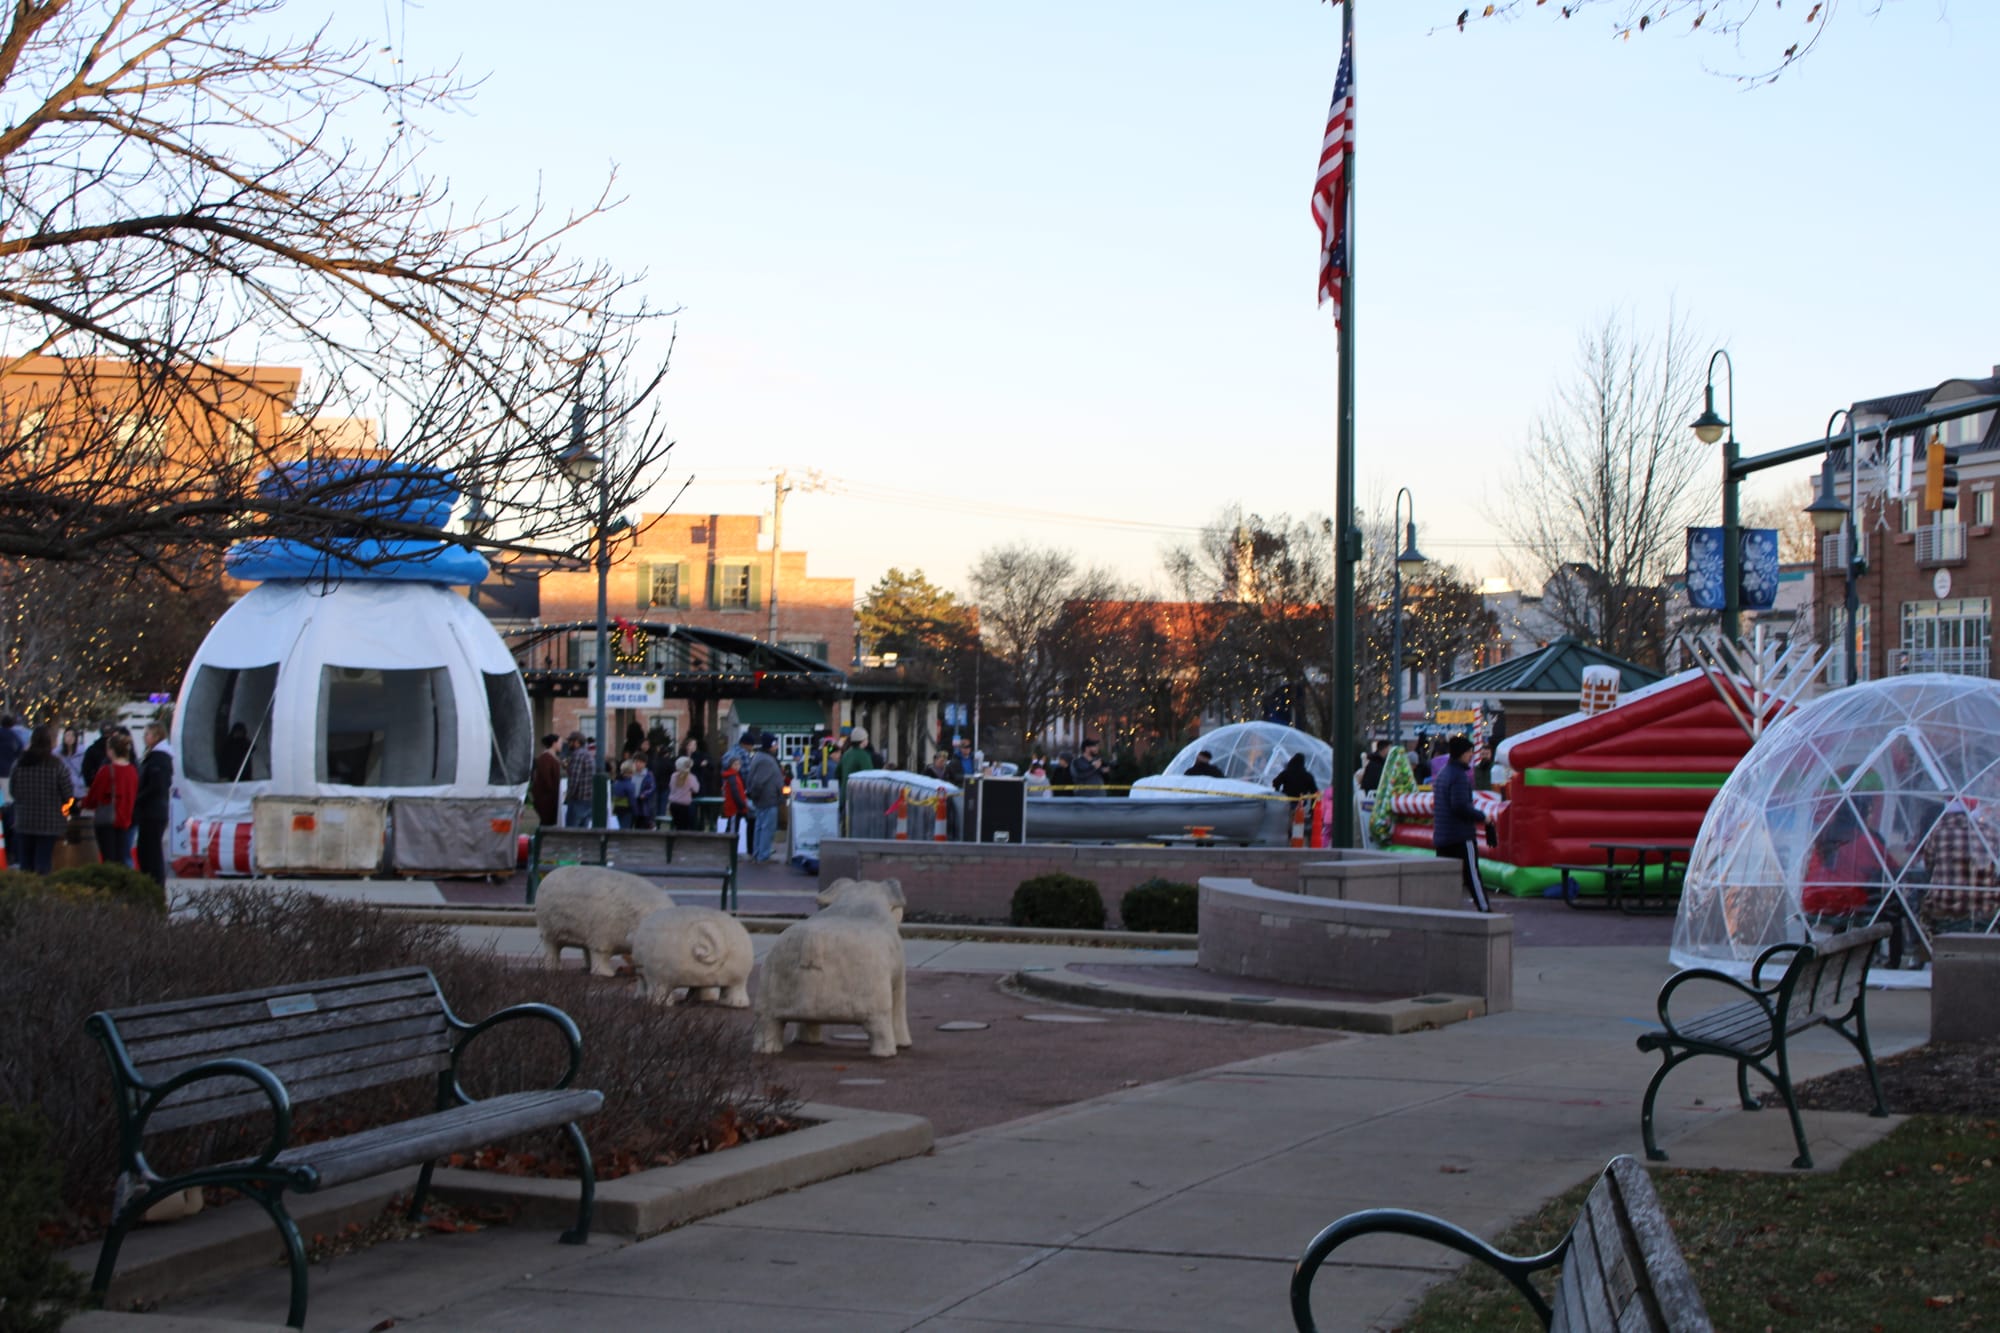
(1982, 507)
(1912, 516)
(1951, 635)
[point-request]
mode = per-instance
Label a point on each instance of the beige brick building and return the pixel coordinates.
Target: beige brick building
(710, 571)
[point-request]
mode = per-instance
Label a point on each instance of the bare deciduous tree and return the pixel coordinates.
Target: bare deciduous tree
(1782, 38)
(1786, 512)
(1600, 498)
(1023, 594)
(186, 202)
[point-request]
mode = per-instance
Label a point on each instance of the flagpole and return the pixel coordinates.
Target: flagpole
(1348, 536)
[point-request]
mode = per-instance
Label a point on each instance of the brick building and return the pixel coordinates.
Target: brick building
(1925, 597)
(702, 570)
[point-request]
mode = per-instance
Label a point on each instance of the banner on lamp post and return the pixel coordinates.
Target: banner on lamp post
(1757, 569)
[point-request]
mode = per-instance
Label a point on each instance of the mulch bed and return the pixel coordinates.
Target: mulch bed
(1941, 1078)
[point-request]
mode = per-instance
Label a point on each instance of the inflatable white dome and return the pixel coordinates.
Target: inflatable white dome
(1878, 801)
(1257, 751)
(354, 688)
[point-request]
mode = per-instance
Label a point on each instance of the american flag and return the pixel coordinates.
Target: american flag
(1330, 190)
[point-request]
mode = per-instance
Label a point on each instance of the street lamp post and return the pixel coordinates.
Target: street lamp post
(1829, 516)
(582, 467)
(1708, 428)
(1408, 561)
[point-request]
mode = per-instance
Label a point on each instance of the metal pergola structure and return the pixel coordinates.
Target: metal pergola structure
(704, 666)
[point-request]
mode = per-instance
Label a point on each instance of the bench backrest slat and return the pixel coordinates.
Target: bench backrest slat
(1837, 970)
(584, 844)
(704, 849)
(318, 1038)
(1624, 1270)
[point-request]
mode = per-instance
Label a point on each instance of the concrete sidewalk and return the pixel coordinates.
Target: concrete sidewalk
(1179, 1205)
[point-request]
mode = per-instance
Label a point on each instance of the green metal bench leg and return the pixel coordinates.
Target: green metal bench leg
(272, 1201)
(1784, 1081)
(114, 1239)
(1743, 1096)
(1667, 1063)
(580, 1233)
(1859, 1039)
(422, 1192)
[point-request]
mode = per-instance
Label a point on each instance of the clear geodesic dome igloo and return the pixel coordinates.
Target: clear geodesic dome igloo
(1880, 801)
(1258, 751)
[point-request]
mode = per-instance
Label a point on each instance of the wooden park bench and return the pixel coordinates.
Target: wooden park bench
(1619, 1268)
(652, 853)
(262, 1052)
(1825, 982)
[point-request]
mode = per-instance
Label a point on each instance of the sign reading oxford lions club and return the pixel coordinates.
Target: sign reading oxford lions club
(630, 691)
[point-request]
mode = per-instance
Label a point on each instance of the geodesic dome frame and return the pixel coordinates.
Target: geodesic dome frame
(1880, 801)
(1258, 751)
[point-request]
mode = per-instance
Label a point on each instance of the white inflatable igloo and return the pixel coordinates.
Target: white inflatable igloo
(355, 688)
(1257, 752)
(359, 691)
(1878, 801)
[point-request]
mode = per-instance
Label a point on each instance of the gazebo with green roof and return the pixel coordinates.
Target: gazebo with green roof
(1540, 686)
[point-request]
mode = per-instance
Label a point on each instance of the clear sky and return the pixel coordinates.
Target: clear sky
(983, 263)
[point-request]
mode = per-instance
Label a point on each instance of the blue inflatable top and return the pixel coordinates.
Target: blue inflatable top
(376, 490)
(405, 561)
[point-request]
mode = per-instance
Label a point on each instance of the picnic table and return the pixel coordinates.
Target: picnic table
(1626, 887)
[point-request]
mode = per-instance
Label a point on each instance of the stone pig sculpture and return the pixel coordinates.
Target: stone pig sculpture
(844, 965)
(594, 909)
(697, 948)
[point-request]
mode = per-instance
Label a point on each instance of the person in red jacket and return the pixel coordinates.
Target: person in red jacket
(114, 790)
(735, 793)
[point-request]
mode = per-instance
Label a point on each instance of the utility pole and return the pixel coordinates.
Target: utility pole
(779, 486)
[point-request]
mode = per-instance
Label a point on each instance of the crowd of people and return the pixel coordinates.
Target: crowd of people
(47, 774)
(652, 786)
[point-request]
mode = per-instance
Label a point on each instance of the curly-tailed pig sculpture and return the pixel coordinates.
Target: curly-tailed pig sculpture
(594, 909)
(697, 949)
(843, 965)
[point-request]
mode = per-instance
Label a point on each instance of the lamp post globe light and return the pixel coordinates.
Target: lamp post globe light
(1409, 561)
(1708, 428)
(582, 466)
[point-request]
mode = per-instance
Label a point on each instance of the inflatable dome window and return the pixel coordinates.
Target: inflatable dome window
(1880, 801)
(1258, 751)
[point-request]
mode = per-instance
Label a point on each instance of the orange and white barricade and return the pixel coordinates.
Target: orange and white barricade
(222, 844)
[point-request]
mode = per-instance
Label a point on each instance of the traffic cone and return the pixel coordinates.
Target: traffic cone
(941, 827)
(1299, 823)
(901, 810)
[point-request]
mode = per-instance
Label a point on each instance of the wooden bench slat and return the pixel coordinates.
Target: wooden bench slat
(269, 1040)
(255, 1006)
(429, 1137)
(289, 1059)
(176, 1114)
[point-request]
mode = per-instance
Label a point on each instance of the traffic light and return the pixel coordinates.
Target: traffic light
(1940, 477)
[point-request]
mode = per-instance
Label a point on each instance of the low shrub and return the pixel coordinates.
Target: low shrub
(116, 882)
(1160, 905)
(1058, 902)
(676, 1080)
(36, 1289)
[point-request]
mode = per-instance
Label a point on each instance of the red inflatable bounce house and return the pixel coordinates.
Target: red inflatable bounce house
(1645, 769)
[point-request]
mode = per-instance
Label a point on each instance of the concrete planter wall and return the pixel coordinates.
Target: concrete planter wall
(1248, 930)
(979, 879)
